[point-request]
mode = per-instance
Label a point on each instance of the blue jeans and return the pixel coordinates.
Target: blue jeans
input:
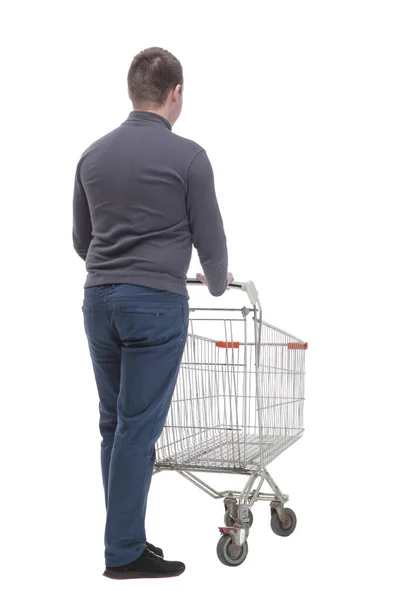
(136, 339)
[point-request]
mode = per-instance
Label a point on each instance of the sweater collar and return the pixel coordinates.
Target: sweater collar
(144, 115)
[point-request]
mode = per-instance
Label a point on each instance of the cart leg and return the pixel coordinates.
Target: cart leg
(230, 504)
(200, 484)
(237, 511)
(282, 498)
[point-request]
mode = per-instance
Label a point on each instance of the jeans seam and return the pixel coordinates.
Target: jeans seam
(184, 331)
(181, 343)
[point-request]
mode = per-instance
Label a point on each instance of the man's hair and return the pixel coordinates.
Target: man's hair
(152, 75)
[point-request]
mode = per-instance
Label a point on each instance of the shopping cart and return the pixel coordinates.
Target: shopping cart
(238, 404)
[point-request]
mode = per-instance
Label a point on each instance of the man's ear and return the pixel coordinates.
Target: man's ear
(178, 91)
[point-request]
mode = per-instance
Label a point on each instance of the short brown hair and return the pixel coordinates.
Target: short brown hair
(152, 75)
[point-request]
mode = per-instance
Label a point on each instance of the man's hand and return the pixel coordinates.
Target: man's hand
(202, 278)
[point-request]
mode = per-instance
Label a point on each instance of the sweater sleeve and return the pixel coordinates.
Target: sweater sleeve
(206, 224)
(82, 224)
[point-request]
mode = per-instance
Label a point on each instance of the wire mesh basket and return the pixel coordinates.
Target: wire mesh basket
(239, 397)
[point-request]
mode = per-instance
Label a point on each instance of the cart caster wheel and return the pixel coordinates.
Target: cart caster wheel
(230, 554)
(229, 522)
(279, 528)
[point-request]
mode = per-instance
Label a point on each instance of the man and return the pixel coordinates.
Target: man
(142, 197)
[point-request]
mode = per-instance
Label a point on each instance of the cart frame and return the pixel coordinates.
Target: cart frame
(267, 414)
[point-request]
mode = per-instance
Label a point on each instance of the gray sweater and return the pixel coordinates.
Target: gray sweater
(143, 196)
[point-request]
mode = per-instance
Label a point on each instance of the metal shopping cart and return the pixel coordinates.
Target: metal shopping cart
(238, 404)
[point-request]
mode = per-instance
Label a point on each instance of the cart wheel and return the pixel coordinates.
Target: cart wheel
(230, 554)
(279, 528)
(229, 522)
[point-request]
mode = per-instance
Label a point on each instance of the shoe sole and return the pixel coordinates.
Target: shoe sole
(130, 575)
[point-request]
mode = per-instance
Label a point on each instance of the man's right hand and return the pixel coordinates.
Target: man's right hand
(203, 279)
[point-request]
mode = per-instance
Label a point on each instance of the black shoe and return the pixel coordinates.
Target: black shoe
(148, 565)
(154, 549)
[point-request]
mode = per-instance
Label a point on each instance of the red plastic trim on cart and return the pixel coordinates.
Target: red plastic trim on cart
(297, 346)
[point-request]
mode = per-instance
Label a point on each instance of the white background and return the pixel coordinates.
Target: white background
(297, 104)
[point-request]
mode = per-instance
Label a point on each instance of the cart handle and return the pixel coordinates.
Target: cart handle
(248, 287)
